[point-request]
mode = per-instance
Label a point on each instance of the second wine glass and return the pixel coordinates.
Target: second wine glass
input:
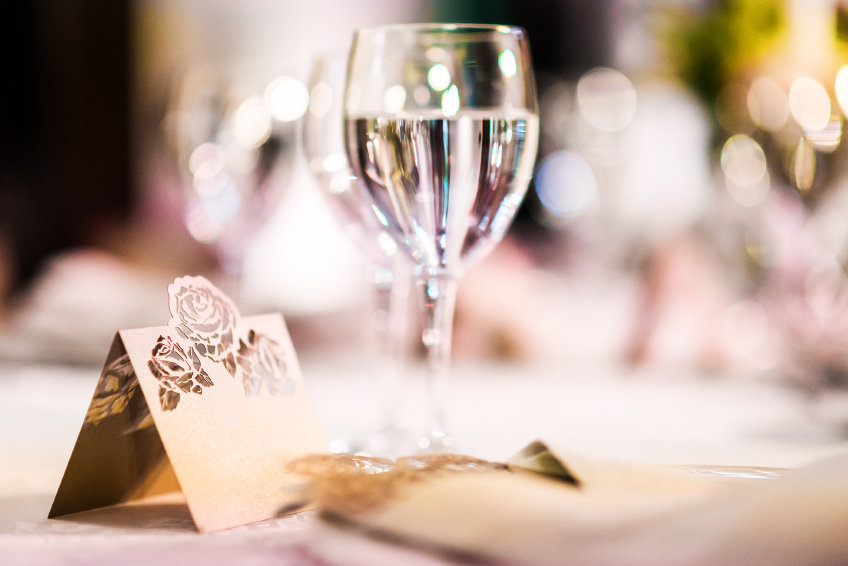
(389, 271)
(441, 126)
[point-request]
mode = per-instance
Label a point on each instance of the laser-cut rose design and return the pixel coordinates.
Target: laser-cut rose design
(178, 372)
(261, 361)
(207, 317)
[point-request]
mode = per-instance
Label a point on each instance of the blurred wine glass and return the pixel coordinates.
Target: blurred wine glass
(232, 139)
(388, 269)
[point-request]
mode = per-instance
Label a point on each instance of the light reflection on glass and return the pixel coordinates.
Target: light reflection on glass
(768, 104)
(320, 99)
(251, 123)
(394, 98)
(507, 64)
(436, 54)
(334, 162)
(439, 77)
(421, 95)
(450, 101)
(340, 183)
(387, 244)
(286, 98)
(606, 99)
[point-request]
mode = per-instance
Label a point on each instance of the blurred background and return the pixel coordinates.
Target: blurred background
(689, 207)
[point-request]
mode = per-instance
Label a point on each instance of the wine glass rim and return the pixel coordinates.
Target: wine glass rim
(444, 27)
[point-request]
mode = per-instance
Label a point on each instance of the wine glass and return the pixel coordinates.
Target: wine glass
(441, 127)
(388, 269)
(232, 140)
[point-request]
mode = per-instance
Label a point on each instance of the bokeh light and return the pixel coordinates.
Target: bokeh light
(606, 98)
(809, 104)
(450, 101)
(394, 99)
(439, 77)
(768, 104)
(803, 165)
(320, 99)
(565, 186)
(251, 123)
(743, 162)
(507, 63)
(286, 98)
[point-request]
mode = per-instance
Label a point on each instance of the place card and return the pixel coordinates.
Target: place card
(212, 405)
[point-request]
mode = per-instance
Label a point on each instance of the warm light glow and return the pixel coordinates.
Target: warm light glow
(841, 88)
(341, 182)
(743, 160)
(746, 175)
(606, 99)
(439, 77)
(804, 166)
(286, 98)
(394, 99)
(809, 104)
(320, 99)
(507, 63)
(768, 104)
(450, 101)
(251, 123)
(828, 138)
(334, 162)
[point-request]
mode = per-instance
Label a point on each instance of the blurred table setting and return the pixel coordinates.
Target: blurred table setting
(647, 355)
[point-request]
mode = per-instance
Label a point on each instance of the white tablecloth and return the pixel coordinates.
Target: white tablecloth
(495, 409)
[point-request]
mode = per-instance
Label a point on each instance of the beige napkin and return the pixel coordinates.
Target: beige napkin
(621, 513)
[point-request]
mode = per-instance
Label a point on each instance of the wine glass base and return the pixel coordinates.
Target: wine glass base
(384, 442)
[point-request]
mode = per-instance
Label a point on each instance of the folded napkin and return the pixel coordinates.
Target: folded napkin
(550, 507)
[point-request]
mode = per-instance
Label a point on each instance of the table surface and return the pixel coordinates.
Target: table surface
(494, 409)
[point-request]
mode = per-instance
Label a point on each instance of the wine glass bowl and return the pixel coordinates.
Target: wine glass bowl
(443, 134)
(387, 269)
(441, 128)
(232, 148)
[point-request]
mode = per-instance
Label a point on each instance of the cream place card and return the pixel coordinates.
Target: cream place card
(212, 405)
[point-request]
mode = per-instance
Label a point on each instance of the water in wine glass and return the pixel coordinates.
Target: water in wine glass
(446, 186)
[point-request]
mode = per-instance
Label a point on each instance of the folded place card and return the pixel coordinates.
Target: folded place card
(212, 405)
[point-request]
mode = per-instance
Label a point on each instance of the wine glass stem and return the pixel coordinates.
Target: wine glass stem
(390, 288)
(439, 294)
